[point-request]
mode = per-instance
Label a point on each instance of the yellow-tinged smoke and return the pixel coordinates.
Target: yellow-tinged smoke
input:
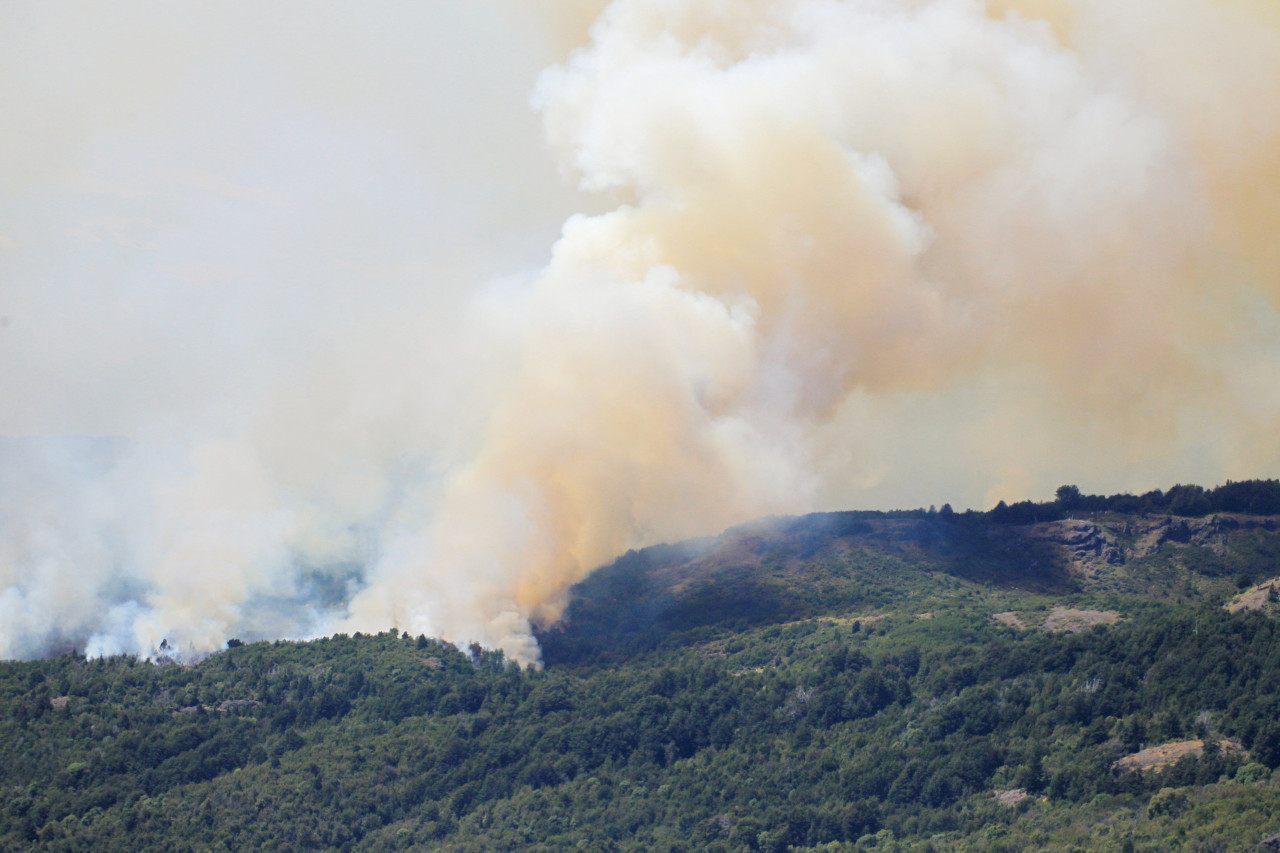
(853, 252)
(1065, 202)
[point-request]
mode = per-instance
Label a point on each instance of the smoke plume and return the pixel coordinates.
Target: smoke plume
(283, 350)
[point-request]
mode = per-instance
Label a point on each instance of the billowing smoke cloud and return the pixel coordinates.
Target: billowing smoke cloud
(836, 253)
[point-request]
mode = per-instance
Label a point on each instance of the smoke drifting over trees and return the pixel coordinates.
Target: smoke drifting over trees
(295, 264)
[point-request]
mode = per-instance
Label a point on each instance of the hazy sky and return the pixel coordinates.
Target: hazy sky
(321, 317)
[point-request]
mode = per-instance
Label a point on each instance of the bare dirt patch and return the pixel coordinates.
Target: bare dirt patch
(1064, 620)
(1010, 797)
(849, 620)
(1010, 619)
(1254, 598)
(1156, 758)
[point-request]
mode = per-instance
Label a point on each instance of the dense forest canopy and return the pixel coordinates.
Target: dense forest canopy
(848, 681)
(1254, 497)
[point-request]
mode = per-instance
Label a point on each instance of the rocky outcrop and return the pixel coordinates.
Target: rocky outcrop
(1091, 546)
(1087, 546)
(1212, 532)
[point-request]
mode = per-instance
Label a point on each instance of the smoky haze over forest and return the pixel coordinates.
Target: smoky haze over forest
(315, 321)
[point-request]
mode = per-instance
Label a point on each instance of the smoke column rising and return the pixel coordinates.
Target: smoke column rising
(858, 253)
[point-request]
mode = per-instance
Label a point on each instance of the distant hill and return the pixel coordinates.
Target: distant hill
(913, 681)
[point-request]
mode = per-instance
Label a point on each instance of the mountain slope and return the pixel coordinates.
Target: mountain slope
(841, 563)
(849, 681)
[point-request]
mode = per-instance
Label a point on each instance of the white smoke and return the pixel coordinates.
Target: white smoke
(850, 253)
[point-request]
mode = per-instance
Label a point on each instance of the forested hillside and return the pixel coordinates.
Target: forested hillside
(853, 681)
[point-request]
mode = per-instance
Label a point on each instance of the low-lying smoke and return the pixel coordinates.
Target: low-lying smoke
(837, 253)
